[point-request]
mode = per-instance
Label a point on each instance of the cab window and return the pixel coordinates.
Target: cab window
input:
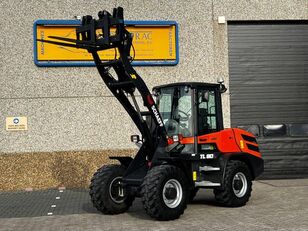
(207, 116)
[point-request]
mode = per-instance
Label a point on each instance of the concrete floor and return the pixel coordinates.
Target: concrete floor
(274, 205)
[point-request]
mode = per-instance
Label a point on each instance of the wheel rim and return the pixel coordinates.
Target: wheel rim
(172, 193)
(239, 184)
(116, 190)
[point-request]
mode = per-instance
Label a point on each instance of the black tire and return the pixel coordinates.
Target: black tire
(154, 191)
(192, 194)
(235, 194)
(101, 190)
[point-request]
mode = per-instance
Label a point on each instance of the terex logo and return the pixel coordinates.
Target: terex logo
(157, 116)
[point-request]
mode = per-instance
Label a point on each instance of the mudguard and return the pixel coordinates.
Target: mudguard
(124, 160)
(255, 164)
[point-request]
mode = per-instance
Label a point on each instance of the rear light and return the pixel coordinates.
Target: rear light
(170, 141)
(242, 144)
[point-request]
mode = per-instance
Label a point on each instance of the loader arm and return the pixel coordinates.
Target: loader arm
(95, 35)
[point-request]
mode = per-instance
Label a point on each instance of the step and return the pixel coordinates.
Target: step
(206, 184)
(208, 168)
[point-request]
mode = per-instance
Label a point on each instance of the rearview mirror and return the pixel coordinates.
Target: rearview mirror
(223, 88)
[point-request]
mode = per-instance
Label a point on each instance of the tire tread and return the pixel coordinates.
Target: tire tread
(226, 197)
(98, 187)
(151, 188)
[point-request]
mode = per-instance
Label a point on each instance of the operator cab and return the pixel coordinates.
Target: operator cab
(190, 109)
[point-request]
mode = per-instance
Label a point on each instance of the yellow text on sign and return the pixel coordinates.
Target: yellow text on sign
(150, 43)
(16, 123)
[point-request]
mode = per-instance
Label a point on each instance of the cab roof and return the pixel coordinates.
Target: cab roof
(190, 84)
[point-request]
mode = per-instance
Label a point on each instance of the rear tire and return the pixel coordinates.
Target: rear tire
(164, 192)
(107, 193)
(237, 185)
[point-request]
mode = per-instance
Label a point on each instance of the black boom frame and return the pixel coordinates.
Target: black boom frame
(95, 35)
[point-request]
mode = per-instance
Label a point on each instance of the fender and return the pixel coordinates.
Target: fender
(124, 160)
(255, 164)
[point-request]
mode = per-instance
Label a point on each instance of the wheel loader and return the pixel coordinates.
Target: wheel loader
(183, 145)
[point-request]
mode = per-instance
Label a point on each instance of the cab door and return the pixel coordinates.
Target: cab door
(209, 115)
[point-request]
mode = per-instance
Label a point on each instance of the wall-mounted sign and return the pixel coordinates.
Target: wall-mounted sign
(16, 123)
(155, 43)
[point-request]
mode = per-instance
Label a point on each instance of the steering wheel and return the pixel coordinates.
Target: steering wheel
(171, 127)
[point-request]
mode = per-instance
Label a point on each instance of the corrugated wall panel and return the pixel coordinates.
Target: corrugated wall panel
(268, 67)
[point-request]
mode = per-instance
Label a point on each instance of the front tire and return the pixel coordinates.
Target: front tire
(237, 185)
(107, 192)
(165, 192)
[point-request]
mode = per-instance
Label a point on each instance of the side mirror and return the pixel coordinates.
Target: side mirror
(205, 96)
(223, 88)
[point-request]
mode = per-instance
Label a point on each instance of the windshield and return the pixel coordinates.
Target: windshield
(174, 104)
